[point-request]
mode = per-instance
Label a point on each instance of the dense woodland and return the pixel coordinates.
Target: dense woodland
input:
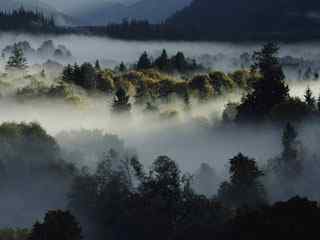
(23, 20)
(267, 20)
(120, 198)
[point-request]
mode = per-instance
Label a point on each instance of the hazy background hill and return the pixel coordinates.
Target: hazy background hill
(214, 17)
(37, 5)
(155, 11)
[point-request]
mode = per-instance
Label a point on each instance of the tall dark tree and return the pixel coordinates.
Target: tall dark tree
(162, 62)
(310, 99)
(144, 62)
(268, 91)
(318, 103)
(17, 60)
(88, 76)
(121, 102)
(290, 163)
(122, 67)
(97, 65)
(244, 187)
(67, 73)
(57, 225)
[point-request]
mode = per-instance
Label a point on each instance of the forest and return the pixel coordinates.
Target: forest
(83, 183)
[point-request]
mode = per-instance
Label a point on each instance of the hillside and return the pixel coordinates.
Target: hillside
(32, 5)
(152, 10)
(248, 18)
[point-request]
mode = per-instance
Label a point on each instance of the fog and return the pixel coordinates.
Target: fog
(111, 52)
(190, 138)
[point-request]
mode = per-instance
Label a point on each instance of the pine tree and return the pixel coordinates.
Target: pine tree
(318, 103)
(268, 91)
(121, 102)
(17, 60)
(163, 61)
(97, 65)
(144, 62)
(310, 99)
(122, 67)
(67, 73)
(244, 187)
(290, 164)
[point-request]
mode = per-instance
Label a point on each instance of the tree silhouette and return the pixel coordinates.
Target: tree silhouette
(144, 62)
(121, 102)
(268, 91)
(162, 62)
(290, 164)
(310, 99)
(244, 187)
(17, 60)
(57, 225)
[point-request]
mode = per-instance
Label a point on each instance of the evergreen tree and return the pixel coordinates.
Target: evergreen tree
(179, 61)
(310, 99)
(244, 187)
(57, 225)
(17, 60)
(162, 62)
(77, 75)
(121, 102)
(67, 73)
(97, 65)
(290, 164)
(318, 103)
(144, 62)
(122, 67)
(88, 76)
(268, 91)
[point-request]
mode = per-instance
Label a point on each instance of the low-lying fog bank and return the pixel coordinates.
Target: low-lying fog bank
(112, 51)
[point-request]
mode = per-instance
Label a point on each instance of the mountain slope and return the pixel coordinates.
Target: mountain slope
(248, 17)
(37, 5)
(152, 10)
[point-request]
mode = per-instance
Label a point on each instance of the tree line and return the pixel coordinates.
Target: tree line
(22, 19)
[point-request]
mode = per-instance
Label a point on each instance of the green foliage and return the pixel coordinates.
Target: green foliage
(289, 165)
(291, 110)
(14, 234)
(58, 91)
(221, 82)
(244, 187)
(121, 102)
(201, 83)
(57, 225)
(310, 99)
(159, 203)
(162, 62)
(269, 91)
(17, 60)
(144, 62)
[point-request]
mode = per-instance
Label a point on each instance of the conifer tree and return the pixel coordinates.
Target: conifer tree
(268, 91)
(310, 99)
(17, 60)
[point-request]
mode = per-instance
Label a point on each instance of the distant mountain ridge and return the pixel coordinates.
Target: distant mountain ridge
(37, 5)
(235, 17)
(154, 11)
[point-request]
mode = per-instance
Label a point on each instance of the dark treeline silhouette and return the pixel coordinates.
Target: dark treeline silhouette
(177, 63)
(26, 20)
(211, 20)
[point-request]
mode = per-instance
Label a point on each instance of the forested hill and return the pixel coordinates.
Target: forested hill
(232, 20)
(249, 18)
(23, 20)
